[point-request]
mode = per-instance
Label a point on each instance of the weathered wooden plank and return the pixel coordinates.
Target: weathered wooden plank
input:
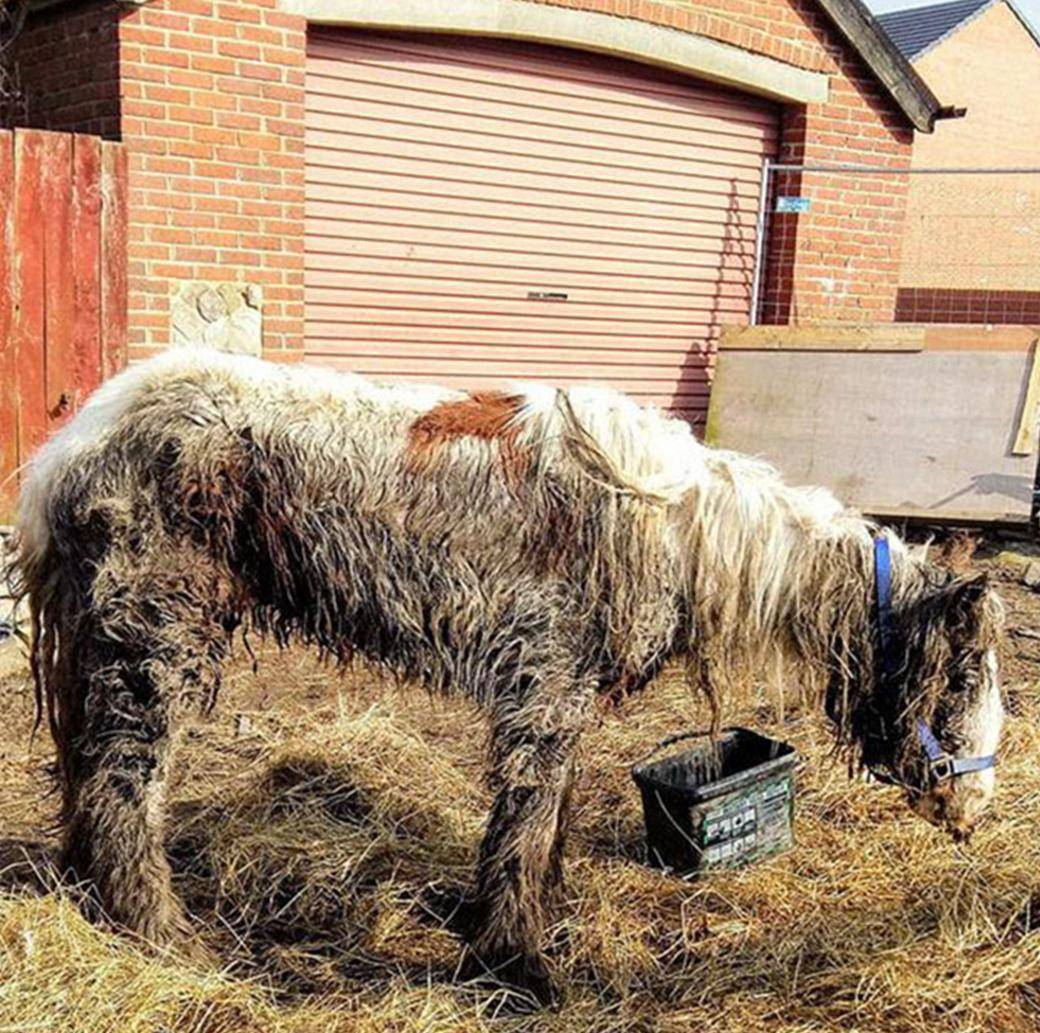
(58, 287)
(114, 191)
(884, 337)
(1028, 422)
(86, 262)
(886, 61)
(980, 338)
(27, 257)
(948, 516)
(927, 433)
(9, 384)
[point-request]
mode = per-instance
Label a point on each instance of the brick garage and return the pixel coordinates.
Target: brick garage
(210, 100)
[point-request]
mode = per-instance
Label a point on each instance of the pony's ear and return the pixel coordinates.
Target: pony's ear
(964, 601)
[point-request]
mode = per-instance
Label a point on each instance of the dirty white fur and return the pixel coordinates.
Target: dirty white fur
(533, 567)
(753, 540)
(117, 396)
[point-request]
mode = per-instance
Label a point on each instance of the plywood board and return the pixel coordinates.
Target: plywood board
(925, 434)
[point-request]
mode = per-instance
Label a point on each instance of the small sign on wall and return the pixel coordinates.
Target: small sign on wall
(793, 204)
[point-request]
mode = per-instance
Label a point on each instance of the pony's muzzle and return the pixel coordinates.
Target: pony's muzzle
(955, 805)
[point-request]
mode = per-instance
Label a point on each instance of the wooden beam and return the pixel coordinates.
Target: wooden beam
(86, 262)
(855, 22)
(59, 289)
(114, 273)
(955, 517)
(980, 338)
(10, 453)
(880, 337)
(28, 328)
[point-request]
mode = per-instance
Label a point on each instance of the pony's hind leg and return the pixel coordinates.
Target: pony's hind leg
(519, 875)
(140, 650)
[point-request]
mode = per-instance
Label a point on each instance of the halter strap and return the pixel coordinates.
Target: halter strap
(883, 601)
(941, 765)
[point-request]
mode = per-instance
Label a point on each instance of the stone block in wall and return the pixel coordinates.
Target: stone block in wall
(225, 316)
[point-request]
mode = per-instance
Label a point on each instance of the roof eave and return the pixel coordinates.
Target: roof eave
(863, 33)
(910, 92)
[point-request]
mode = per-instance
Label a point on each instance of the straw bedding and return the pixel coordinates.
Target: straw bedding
(322, 830)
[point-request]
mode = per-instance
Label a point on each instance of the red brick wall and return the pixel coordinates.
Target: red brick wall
(841, 260)
(212, 109)
(209, 98)
(952, 305)
(68, 65)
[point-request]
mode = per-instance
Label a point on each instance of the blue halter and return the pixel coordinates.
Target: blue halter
(941, 765)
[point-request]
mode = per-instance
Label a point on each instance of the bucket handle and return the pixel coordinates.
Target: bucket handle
(669, 740)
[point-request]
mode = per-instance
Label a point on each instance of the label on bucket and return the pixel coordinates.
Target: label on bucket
(730, 824)
(748, 825)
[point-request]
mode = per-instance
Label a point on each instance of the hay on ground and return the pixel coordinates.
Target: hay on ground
(323, 839)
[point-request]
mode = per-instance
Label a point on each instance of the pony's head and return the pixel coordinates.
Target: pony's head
(930, 714)
(947, 763)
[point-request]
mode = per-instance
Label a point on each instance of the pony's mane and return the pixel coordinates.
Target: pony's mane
(778, 552)
(770, 571)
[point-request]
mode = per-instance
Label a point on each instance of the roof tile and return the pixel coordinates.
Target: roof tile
(914, 30)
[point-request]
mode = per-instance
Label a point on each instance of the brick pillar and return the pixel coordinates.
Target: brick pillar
(840, 261)
(212, 111)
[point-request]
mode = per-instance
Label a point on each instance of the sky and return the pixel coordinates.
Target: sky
(1029, 8)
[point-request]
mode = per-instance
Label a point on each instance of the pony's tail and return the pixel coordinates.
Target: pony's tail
(34, 578)
(30, 575)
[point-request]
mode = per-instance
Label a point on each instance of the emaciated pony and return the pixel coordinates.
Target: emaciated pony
(530, 549)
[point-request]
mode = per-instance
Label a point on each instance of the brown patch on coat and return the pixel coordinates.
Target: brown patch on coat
(487, 415)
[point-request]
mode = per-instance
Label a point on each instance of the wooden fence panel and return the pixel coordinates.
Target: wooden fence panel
(58, 285)
(63, 285)
(114, 230)
(86, 247)
(8, 352)
(29, 295)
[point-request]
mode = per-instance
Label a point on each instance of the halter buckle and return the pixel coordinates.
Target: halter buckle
(942, 767)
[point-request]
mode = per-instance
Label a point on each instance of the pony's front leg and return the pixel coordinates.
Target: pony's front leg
(519, 873)
(144, 645)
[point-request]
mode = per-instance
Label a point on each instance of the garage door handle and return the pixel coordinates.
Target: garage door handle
(546, 296)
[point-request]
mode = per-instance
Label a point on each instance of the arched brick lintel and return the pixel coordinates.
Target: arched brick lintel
(629, 38)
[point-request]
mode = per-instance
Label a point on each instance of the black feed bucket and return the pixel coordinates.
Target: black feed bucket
(722, 804)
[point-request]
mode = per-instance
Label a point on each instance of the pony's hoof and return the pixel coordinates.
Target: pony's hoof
(525, 978)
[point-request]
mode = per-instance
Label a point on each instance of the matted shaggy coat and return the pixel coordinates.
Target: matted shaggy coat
(531, 549)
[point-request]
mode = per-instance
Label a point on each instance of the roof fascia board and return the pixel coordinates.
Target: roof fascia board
(886, 61)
